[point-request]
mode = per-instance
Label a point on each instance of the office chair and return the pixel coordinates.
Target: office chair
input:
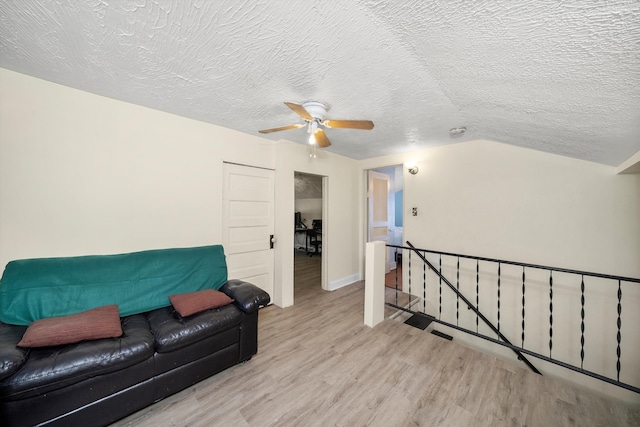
(315, 236)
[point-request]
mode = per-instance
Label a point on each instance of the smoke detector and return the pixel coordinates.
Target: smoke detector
(457, 132)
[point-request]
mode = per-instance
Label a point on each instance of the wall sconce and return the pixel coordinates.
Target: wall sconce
(411, 167)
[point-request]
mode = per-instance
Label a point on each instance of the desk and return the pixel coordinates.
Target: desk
(306, 237)
(306, 232)
(315, 239)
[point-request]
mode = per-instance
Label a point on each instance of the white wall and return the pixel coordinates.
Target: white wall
(498, 200)
(83, 174)
(494, 200)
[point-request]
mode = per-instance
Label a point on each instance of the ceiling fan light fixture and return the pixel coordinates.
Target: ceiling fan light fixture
(312, 129)
(313, 113)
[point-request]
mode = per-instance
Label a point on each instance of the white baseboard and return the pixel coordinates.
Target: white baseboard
(337, 284)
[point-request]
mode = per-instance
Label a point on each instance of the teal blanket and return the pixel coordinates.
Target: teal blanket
(34, 289)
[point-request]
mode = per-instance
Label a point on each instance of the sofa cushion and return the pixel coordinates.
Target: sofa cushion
(194, 302)
(100, 322)
(172, 332)
(52, 368)
(136, 282)
(11, 357)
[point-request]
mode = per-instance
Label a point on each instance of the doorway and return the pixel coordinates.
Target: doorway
(310, 235)
(385, 192)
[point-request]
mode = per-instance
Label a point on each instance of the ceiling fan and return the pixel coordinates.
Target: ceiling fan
(313, 113)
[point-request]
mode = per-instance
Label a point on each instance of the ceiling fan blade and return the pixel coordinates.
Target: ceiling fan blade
(349, 124)
(298, 126)
(321, 139)
(300, 110)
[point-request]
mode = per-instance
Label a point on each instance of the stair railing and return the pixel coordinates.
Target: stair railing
(501, 338)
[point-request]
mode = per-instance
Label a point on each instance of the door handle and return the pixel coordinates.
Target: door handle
(272, 240)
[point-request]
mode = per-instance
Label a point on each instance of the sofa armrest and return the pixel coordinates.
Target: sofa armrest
(11, 357)
(247, 296)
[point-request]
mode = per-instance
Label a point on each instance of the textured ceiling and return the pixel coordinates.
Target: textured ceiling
(556, 76)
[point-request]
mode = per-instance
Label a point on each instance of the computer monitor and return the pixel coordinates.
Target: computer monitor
(299, 223)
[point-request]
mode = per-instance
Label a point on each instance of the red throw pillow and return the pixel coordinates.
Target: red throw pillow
(100, 322)
(194, 302)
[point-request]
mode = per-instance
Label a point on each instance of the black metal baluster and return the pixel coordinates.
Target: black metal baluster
(440, 287)
(477, 292)
(409, 275)
(424, 285)
(550, 311)
(396, 258)
(619, 336)
(523, 281)
(458, 294)
(501, 339)
(498, 297)
(582, 322)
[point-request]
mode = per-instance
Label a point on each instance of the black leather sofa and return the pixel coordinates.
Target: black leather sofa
(93, 383)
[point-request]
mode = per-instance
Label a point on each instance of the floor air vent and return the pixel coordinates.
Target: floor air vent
(418, 321)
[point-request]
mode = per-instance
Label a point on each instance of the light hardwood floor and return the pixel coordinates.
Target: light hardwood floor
(318, 365)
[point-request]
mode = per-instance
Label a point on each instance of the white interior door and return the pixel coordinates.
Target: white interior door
(379, 185)
(248, 224)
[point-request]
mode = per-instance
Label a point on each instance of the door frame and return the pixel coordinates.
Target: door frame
(324, 263)
(366, 204)
(372, 204)
(324, 273)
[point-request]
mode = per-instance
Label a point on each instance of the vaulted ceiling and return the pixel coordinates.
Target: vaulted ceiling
(557, 76)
